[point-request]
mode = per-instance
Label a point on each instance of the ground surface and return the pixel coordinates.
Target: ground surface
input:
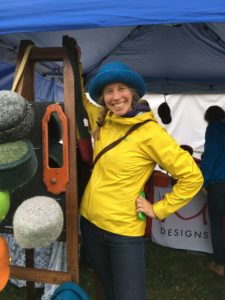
(171, 274)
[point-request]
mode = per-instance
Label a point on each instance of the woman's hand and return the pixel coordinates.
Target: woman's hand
(143, 205)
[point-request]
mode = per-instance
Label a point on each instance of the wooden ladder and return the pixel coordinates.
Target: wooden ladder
(25, 88)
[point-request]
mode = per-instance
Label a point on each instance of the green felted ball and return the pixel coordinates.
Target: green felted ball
(4, 204)
(18, 164)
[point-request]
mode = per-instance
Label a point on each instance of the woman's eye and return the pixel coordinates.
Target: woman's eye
(122, 89)
(107, 92)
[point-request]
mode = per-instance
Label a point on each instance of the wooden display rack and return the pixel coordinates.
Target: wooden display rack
(25, 88)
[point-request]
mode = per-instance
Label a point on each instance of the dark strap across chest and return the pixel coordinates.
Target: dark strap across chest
(113, 144)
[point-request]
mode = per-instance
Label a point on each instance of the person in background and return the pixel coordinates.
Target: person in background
(113, 234)
(213, 169)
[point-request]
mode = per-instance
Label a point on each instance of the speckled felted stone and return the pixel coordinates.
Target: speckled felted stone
(16, 116)
(37, 222)
(18, 164)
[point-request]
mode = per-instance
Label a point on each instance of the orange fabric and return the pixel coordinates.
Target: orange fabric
(4, 263)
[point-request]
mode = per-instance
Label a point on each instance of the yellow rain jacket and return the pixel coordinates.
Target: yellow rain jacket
(118, 177)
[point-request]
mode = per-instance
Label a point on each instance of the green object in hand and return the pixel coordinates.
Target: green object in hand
(141, 215)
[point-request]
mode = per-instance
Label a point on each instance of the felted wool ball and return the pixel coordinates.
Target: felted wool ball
(69, 291)
(164, 113)
(18, 164)
(37, 222)
(4, 204)
(4, 263)
(16, 116)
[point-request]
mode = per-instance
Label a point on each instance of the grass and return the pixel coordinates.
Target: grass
(180, 274)
(171, 274)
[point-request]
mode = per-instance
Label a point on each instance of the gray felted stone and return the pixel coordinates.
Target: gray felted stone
(18, 164)
(16, 116)
(37, 222)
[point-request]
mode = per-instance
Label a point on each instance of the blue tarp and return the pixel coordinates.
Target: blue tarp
(48, 15)
(177, 46)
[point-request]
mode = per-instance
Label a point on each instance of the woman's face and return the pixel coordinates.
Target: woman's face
(118, 98)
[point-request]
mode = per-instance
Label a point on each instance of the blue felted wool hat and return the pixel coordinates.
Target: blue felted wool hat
(115, 72)
(69, 291)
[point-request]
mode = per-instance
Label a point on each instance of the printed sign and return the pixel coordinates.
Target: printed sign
(188, 228)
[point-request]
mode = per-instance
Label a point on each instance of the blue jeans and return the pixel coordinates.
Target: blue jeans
(216, 206)
(119, 262)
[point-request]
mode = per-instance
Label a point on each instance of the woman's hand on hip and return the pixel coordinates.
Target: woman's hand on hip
(143, 205)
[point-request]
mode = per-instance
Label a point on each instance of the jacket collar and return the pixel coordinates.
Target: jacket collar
(130, 121)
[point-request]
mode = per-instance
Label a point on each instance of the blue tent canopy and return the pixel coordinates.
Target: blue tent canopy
(177, 46)
(48, 15)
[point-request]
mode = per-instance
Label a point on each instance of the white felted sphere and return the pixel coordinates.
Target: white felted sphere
(37, 222)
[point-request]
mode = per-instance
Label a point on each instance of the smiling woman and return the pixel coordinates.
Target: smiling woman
(132, 143)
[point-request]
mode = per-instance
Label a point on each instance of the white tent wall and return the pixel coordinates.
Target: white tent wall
(187, 110)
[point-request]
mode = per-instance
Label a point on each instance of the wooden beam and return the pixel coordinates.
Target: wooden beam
(47, 54)
(71, 192)
(39, 275)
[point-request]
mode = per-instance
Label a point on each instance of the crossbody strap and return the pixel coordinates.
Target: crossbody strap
(113, 144)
